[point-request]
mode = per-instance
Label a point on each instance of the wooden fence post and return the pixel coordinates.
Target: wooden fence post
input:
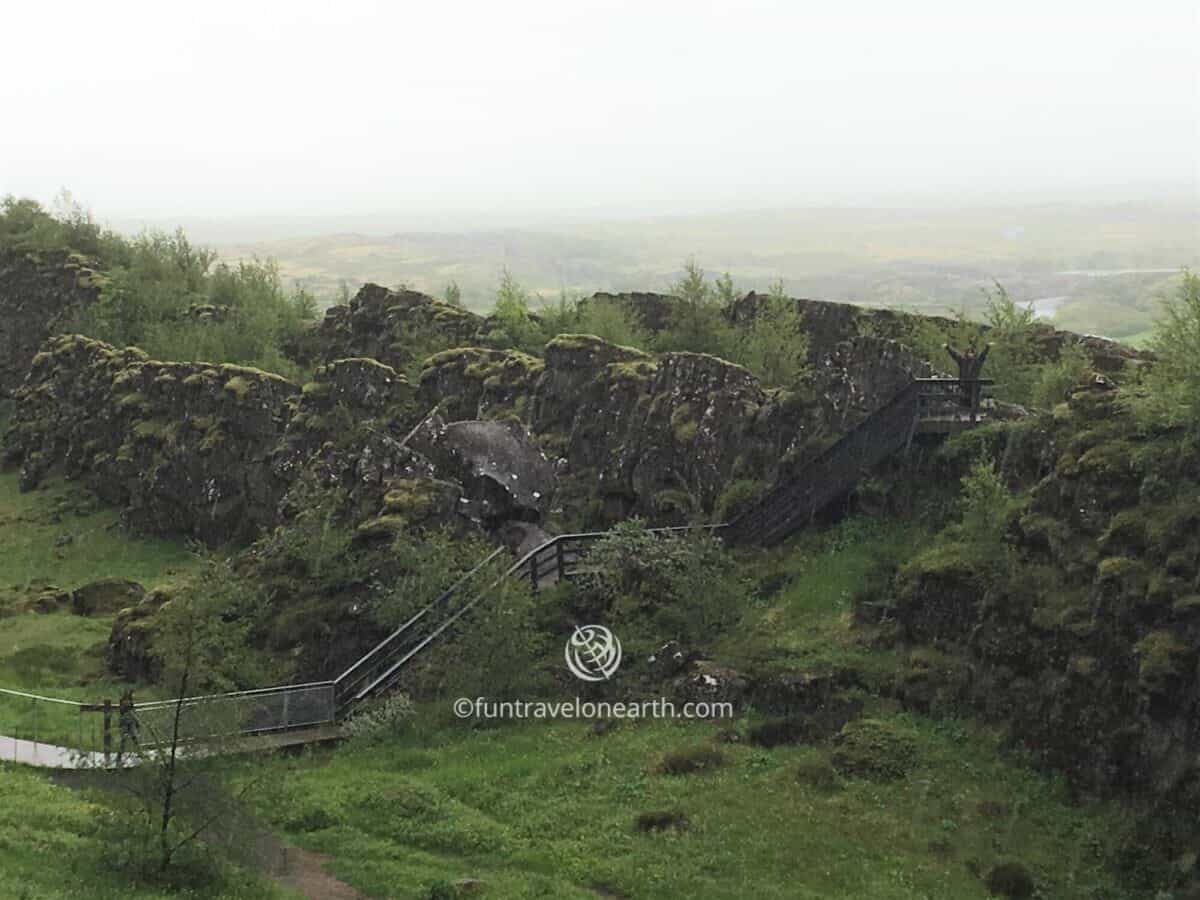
(107, 729)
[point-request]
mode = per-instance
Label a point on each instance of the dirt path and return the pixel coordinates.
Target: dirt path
(305, 873)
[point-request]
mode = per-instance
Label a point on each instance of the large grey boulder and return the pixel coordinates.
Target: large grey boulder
(503, 473)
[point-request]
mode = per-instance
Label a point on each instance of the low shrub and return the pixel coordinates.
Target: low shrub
(385, 719)
(871, 748)
(817, 773)
(662, 820)
(1011, 879)
(690, 760)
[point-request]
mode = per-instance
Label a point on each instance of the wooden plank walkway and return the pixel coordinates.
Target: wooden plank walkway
(46, 756)
(52, 756)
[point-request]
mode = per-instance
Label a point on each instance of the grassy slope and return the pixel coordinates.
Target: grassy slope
(53, 847)
(59, 536)
(807, 622)
(60, 654)
(547, 810)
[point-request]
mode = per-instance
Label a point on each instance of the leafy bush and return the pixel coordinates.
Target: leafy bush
(514, 326)
(872, 748)
(1012, 363)
(498, 649)
(699, 324)
(175, 301)
(26, 225)
(423, 567)
(612, 322)
(212, 614)
(1173, 398)
(738, 497)
(166, 295)
(1057, 378)
(774, 346)
(679, 585)
(986, 502)
(382, 720)
(817, 773)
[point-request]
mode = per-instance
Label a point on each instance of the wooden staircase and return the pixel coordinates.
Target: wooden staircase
(925, 406)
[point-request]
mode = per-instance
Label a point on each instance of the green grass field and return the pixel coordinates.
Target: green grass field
(548, 810)
(807, 621)
(55, 845)
(61, 537)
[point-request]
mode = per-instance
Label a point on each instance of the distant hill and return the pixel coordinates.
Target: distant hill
(1098, 268)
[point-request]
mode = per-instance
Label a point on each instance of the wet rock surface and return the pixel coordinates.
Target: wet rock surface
(130, 652)
(503, 473)
(597, 431)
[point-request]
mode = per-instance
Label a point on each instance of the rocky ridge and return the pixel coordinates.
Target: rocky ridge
(212, 450)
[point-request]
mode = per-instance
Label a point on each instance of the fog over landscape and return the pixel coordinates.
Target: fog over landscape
(592, 108)
(249, 127)
(877, 155)
(600, 449)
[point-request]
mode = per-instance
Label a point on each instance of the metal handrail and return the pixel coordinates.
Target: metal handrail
(528, 561)
(763, 520)
(42, 699)
(275, 689)
(406, 625)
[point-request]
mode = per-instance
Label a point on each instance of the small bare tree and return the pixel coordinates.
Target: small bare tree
(183, 766)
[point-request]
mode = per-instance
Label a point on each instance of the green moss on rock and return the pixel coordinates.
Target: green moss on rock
(1161, 656)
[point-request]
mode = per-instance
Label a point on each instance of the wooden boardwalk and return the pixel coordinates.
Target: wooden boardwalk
(53, 756)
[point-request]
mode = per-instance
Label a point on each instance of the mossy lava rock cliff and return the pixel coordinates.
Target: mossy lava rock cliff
(212, 450)
(659, 436)
(182, 446)
(1081, 632)
(38, 293)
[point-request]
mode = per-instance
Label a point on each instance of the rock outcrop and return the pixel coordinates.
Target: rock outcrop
(596, 431)
(1085, 644)
(38, 293)
(503, 474)
(661, 436)
(397, 328)
(182, 447)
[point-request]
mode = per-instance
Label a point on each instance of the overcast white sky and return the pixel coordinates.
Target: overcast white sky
(650, 107)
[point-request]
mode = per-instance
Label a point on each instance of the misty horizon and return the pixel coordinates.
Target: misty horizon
(541, 113)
